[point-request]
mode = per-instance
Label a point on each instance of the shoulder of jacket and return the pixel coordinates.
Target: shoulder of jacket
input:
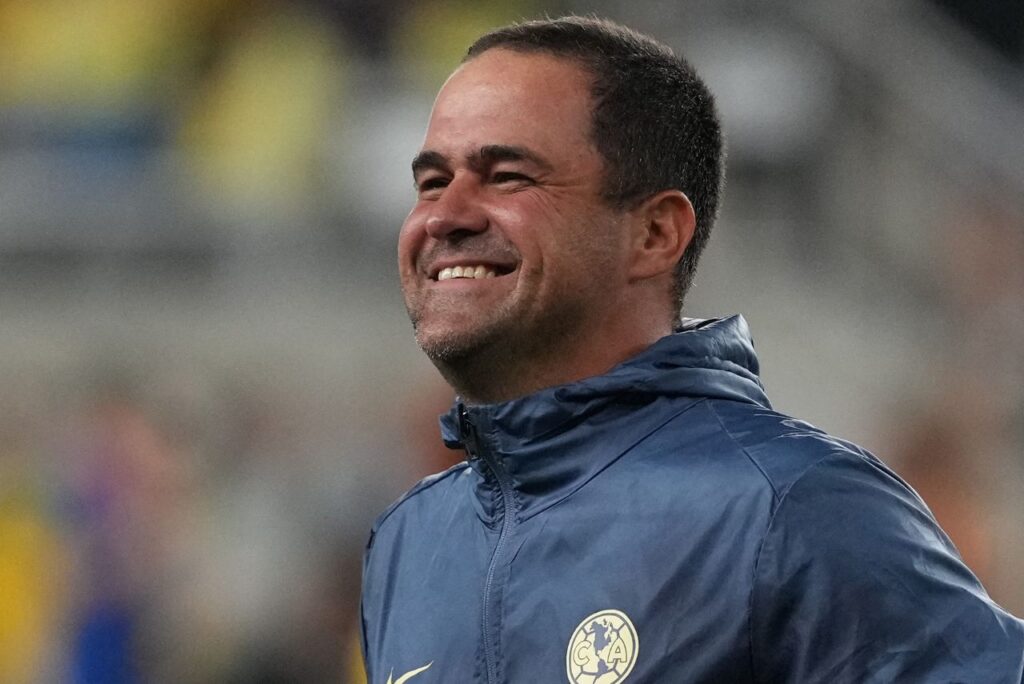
(419, 488)
(855, 580)
(781, 447)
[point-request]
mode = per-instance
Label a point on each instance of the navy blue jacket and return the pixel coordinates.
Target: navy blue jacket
(661, 523)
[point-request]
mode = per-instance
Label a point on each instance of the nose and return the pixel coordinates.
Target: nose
(458, 210)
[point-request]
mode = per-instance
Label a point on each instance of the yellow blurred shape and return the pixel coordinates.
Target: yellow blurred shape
(254, 133)
(30, 593)
(93, 53)
(355, 670)
(435, 34)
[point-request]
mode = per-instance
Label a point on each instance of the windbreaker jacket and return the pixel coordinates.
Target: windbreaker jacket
(662, 524)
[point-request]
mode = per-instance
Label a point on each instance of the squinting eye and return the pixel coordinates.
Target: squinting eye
(510, 177)
(432, 183)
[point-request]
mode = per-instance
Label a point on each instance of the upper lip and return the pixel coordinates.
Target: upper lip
(499, 267)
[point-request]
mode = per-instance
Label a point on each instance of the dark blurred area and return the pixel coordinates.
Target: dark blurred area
(211, 389)
(1000, 23)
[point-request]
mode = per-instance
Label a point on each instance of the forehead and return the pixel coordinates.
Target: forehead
(503, 97)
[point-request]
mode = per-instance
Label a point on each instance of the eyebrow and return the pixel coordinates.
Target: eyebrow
(482, 158)
(428, 159)
(491, 154)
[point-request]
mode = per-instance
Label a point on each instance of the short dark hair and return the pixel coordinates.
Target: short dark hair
(654, 120)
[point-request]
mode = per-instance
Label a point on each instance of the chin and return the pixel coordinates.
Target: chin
(454, 347)
(447, 349)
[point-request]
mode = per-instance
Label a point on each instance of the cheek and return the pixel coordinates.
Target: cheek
(592, 253)
(533, 224)
(410, 240)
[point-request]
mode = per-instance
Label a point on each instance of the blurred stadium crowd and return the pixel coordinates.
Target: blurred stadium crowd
(210, 389)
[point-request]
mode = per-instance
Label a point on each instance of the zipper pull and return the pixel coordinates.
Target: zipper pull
(467, 431)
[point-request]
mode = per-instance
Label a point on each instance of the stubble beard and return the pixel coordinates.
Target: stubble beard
(470, 359)
(454, 348)
(498, 359)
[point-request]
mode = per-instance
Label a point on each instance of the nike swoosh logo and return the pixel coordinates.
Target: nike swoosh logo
(409, 675)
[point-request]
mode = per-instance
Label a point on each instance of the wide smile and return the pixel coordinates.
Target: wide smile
(469, 271)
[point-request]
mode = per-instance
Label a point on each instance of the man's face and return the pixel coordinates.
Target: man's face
(508, 189)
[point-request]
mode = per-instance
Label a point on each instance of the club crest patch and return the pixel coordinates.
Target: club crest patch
(602, 650)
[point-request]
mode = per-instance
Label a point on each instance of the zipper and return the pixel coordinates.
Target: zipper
(471, 440)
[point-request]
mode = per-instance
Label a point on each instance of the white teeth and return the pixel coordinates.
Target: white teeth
(476, 272)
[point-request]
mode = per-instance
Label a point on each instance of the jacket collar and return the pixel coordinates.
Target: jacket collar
(551, 442)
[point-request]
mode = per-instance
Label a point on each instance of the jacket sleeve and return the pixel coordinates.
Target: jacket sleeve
(855, 582)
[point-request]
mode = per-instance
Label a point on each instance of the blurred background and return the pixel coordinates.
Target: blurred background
(210, 388)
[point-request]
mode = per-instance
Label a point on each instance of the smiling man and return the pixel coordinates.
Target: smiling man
(512, 200)
(631, 508)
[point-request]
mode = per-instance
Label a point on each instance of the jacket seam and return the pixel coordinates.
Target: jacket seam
(760, 546)
(741, 447)
(778, 497)
(418, 488)
(769, 528)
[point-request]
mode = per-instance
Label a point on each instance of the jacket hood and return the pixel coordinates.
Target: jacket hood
(704, 358)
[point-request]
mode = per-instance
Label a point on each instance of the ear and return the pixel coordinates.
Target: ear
(664, 227)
